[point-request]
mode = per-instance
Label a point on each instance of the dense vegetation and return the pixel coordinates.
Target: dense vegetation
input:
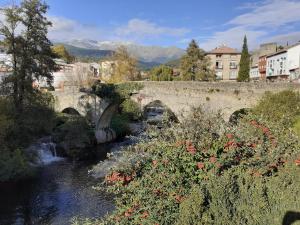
(18, 132)
(128, 110)
(161, 73)
(25, 112)
(207, 171)
(125, 68)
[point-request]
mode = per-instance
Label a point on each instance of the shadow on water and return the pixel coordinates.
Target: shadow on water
(290, 218)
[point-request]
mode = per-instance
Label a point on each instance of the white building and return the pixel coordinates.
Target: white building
(277, 65)
(293, 62)
(254, 73)
(107, 69)
(284, 64)
(5, 64)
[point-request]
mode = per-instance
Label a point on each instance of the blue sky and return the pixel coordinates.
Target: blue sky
(176, 22)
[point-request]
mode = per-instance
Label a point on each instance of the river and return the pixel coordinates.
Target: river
(60, 191)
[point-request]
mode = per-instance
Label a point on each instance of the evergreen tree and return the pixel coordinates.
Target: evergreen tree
(244, 72)
(195, 65)
(30, 48)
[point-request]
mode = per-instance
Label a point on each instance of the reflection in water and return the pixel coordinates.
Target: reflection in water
(60, 192)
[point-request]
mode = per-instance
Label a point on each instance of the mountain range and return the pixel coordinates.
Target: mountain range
(146, 54)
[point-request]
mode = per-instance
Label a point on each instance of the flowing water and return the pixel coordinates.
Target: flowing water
(60, 191)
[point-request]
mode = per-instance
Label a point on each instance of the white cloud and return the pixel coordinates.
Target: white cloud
(144, 29)
(286, 38)
(64, 29)
(262, 20)
(273, 13)
(232, 37)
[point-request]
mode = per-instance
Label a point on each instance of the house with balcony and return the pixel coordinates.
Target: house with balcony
(259, 58)
(284, 64)
(225, 62)
(277, 66)
(262, 66)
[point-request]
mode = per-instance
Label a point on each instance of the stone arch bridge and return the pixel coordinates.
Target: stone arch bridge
(179, 97)
(98, 111)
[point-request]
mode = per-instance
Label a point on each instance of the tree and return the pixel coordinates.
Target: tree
(125, 66)
(161, 73)
(195, 65)
(61, 52)
(25, 35)
(244, 72)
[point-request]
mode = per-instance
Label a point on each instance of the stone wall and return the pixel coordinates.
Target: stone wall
(226, 97)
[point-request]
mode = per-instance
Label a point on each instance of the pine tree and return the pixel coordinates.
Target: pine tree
(30, 49)
(244, 72)
(194, 64)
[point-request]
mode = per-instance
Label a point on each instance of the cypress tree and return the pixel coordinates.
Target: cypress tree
(244, 72)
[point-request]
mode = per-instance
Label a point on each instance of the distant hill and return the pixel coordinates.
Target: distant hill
(88, 53)
(147, 65)
(143, 53)
(173, 63)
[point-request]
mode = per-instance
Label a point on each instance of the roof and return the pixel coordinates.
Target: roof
(224, 50)
(277, 53)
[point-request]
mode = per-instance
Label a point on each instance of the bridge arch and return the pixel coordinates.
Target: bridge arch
(70, 111)
(155, 111)
(238, 114)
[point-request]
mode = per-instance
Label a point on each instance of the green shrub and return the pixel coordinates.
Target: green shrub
(283, 106)
(116, 92)
(296, 126)
(119, 124)
(131, 109)
(17, 132)
(239, 198)
(14, 165)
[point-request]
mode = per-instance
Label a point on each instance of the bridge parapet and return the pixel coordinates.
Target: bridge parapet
(226, 97)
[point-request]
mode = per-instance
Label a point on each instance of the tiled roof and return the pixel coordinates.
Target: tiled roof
(224, 50)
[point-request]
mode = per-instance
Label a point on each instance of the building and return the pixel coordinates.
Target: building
(293, 62)
(262, 66)
(107, 69)
(284, 64)
(225, 62)
(5, 64)
(277, 66)
(258, 58)
(95, 69)
(254, 73)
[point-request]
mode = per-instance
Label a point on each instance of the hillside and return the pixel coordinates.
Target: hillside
(143, 53)
(87, 53)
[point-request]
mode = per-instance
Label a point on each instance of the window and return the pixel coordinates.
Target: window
(219, 65)
(219, 75)
(232, 74)
(233, 65)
